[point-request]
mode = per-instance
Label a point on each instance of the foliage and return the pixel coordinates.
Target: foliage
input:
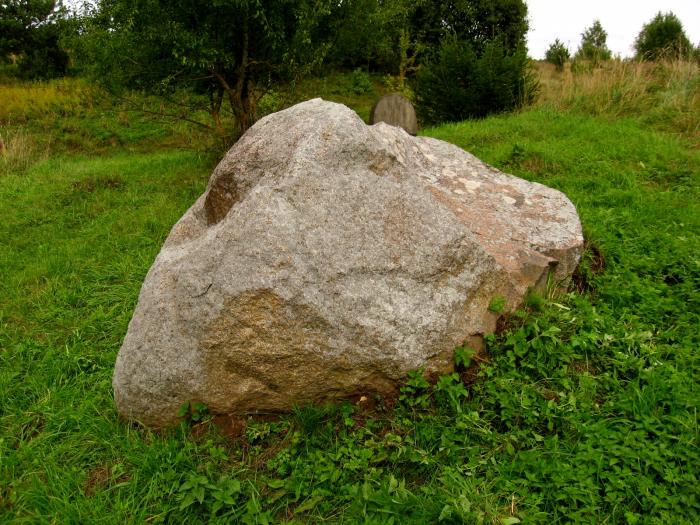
(31, 29)
(360, 82)
(663, 37)
(192, 412)
(462, 84)
(233, 49)
(478, 22)
(394, 36)
(497, 304)
(557, 54)
(369, 34)
(594, 47)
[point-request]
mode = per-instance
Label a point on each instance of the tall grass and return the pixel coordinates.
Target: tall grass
(24, 101)
(664, 94)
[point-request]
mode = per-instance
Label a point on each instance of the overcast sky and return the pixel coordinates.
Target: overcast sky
(622, 19)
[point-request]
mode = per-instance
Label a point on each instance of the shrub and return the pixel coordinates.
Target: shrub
(359, 82)
(459, 84)
(557, 54)
(663, 37)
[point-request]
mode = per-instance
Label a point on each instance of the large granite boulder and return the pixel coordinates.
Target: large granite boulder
(328, 258)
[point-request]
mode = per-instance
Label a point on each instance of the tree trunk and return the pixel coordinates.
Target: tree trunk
(240, 95)
(241, 90)
(216, 100)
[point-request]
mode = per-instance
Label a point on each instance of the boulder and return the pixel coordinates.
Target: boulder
(327, 259)
(395, 110)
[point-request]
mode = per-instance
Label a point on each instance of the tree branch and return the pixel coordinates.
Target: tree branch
(163, 114)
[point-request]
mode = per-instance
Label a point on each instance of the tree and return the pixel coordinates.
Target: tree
(475, 60)
(474, 21)
(594, 44)
(31, 30)
(461, 83)
(233, 50)
(663, 37)
(557, 54)
(376, 34)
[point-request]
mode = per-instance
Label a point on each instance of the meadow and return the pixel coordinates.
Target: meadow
(585, 410)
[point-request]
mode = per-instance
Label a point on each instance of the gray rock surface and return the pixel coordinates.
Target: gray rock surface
(395, 110)
(328, 258)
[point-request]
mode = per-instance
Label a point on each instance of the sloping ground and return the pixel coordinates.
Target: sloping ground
(585, 412)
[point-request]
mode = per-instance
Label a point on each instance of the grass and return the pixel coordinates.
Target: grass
(586, 411)
(70, 116)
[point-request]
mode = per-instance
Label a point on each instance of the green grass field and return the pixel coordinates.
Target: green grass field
(586, 411)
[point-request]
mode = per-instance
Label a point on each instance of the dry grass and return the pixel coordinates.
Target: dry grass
(665, 94)
(19, 149)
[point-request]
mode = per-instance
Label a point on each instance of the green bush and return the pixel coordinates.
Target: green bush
(663, 37)
(459, 84)
(557, 54)
(359, 82)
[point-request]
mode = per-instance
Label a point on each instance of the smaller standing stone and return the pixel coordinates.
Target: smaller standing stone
(395, 110)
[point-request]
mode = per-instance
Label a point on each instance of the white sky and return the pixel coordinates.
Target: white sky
(622, 19)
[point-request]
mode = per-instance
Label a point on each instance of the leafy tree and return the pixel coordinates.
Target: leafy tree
(594, 45)
(232, 49)
(461, 83)
(557, 54)
(391, 35)
(31, 29)
(663, 37)
(474, 21)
